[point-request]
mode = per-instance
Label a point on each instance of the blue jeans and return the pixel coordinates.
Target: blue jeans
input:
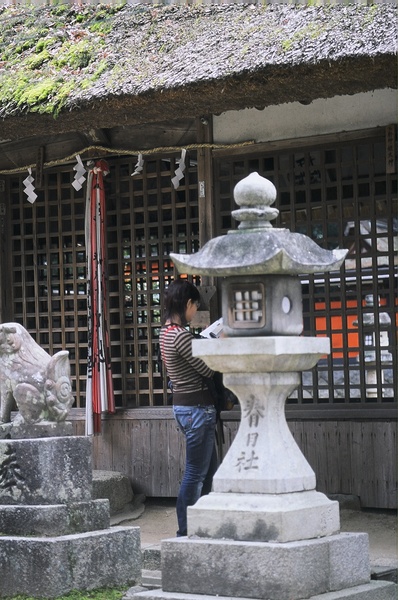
(198, 424)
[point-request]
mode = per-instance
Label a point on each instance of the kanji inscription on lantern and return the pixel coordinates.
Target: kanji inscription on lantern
(254, 411)
(247, 461)
(251, 439)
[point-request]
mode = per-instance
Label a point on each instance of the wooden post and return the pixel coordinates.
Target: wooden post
(5, 266)
(205, 180)
(39, 175)
(204, 126)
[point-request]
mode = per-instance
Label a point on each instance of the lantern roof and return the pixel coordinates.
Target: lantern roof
(257, 248)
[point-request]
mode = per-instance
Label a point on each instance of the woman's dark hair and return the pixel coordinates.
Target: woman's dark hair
(176, 299)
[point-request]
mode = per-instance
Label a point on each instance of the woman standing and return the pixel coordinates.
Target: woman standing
(193, 404)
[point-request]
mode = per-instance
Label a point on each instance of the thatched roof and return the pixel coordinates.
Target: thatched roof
(68, 68)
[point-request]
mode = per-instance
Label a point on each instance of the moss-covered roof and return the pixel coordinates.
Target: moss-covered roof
(146, 63)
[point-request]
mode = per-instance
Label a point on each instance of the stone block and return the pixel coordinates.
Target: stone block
(114, 486)
(264, 517)
(151, 558)
(45, 470)
(262, 354)
(273, 289)
(151, 579)
(54, 519)
(298, 569)
(51, 567)
(349, 561)
(370, 591)
(41, 430)
(367, 591)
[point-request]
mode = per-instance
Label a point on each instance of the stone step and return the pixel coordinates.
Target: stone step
(114, 486)
(384, 573)
(151, 579)
(104, 558)
(375, 590)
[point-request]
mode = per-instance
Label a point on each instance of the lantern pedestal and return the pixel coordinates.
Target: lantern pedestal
(264, 517)
(264, 490)
(265, 532)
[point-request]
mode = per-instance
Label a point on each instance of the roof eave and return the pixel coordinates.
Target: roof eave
(272, 85)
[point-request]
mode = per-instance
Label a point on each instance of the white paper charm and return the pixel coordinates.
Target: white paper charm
(179, 172)
(80, 175)
(29, 187)
(139, 166)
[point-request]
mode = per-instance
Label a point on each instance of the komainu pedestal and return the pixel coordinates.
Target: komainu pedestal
(53, 536)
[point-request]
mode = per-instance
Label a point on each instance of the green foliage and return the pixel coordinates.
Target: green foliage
(63, 91)
(100, 594)
(25, 45)
(101, 27)
(371, 14)
(101, 68)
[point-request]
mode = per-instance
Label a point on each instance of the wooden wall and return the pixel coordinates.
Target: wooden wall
(144, 444)
(348, 457)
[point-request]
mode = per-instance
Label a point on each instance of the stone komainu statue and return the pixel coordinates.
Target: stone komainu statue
(39, 383)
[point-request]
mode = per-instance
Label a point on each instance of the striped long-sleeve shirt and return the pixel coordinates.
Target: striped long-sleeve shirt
(185, 371)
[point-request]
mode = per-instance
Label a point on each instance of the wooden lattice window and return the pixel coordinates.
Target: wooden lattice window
(341, 196)
(146, 220)
(48, 288)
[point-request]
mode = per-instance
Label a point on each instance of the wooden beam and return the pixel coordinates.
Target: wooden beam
(206, 202)
(39, 167)
(314, 140)
(205, 180)
(5, 254)
(95, 136)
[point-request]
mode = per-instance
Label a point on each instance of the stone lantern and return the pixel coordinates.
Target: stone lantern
(260, 357)
(264, 531)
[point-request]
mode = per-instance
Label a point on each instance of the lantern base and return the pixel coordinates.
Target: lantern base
(264, 517)
(375, 590)
(330, 568)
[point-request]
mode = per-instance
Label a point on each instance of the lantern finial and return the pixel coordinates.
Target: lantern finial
(254, 195)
